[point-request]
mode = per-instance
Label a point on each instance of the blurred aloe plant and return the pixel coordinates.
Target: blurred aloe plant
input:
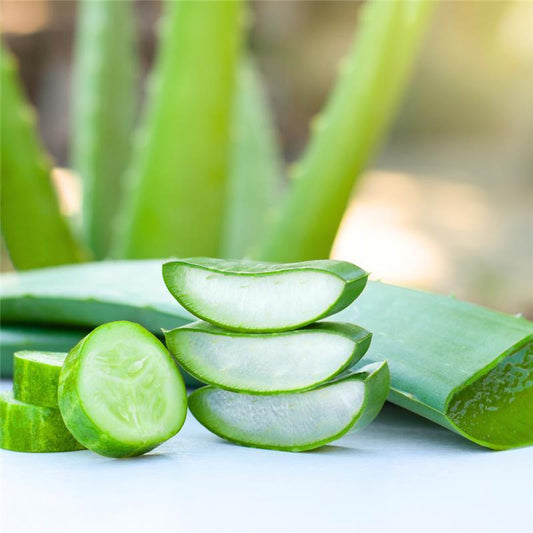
(205, 174)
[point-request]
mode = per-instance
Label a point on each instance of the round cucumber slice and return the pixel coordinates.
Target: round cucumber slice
(36, 377)
(32, 428)
(297, 421)
(267, 363)
(120, 392)
(263, 297)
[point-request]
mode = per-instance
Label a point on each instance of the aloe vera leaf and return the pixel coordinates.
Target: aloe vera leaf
(294, 422)
(263, 297)
(349, 129)
(178, 176)
(255, 169)
(17, 337)
(33, 428)
(34, 230)
(465, 367)
(36, 376)
(92, 295)
(267, 363)
(104, 96)
(120, 392)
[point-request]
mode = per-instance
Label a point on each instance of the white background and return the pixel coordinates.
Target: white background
(401, 473)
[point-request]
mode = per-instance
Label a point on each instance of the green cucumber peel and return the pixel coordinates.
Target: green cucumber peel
(263, 297)
(267, 363)
(467, 368)
(120, 391)
(36, 377)
(294, 422)
(19, 337)
(435, 345)
(33, 428)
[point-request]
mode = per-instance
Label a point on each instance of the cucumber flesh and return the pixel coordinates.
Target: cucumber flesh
(120, 392)
(32, 428)
(36, 377)
(298, 421)
(263, 297)
(267, 363)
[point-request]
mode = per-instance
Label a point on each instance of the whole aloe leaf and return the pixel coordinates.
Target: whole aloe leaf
(349, 130)
(104, 105)
(34, 230)
(256, 167)
(178, 175)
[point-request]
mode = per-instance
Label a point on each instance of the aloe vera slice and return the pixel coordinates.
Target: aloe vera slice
(298, 421)
(267, 363)
(465, 367)
(15, 338)
(120, 392)
(36, 377)
(264, 297)
(33, 428)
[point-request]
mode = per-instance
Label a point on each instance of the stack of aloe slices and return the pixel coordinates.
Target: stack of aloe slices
(277, 378)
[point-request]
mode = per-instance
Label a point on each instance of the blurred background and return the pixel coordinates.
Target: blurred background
(447, 204)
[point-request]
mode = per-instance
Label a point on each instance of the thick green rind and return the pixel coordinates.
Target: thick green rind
(359, 336)
(104, 108)
(352, 276)
(31, 428)
(436, 346)
(16, 337)
(34, 230)
(376, 379)
(36, 382)
(86, 430)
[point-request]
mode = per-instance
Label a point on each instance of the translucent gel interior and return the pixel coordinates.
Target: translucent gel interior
(260, 301)
(264, 363)
(285, 419)
(498, 407)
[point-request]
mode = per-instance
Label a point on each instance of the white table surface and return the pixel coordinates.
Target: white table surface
(401, 473)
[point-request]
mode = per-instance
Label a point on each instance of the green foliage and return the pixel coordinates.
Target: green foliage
(34, 230)
(104, 105)
(177, 179)
(349, 130)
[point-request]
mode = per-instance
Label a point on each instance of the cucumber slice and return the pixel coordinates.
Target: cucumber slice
(32, 428)
(298, 421)
(267, 363)
(15, 337)
(263, 297)
(120, 392)
(36, 377)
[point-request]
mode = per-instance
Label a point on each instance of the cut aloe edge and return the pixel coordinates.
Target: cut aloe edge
(294, 422)
(263, 297)
(33, 428)
(465, 367)
(267, 363)
(36, 377)
(120, 391)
